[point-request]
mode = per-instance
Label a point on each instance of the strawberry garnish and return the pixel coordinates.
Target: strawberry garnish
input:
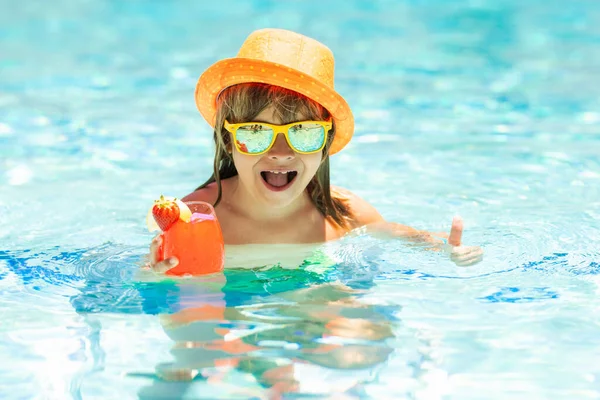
(165, 213)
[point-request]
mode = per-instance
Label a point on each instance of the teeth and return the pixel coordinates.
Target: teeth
(280, 172)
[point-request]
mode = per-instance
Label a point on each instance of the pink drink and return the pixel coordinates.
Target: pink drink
(198, 244)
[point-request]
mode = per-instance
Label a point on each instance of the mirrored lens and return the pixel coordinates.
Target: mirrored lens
(307, 137)
(253, 138)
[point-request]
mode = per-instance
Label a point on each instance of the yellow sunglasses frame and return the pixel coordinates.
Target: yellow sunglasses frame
(232, 128)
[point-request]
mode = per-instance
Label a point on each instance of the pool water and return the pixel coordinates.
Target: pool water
(486, 109)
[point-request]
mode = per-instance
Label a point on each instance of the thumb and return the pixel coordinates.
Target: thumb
(456, 232)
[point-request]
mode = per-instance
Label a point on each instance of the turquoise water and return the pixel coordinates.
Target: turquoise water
(487, 109)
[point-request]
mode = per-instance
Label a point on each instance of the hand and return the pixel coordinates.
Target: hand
(462, 255)
(160, 266)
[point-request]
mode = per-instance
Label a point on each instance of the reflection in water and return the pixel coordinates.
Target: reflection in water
(316, 338)
(246, 333)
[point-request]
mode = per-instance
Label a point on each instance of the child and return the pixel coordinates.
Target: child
(277, 119)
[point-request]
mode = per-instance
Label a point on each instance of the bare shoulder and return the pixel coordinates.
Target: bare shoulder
(207, 194)
(363, 212)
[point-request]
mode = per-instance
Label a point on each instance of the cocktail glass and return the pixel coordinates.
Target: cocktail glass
(197, 244)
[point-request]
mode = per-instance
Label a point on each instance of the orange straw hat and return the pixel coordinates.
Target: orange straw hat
(281, 58)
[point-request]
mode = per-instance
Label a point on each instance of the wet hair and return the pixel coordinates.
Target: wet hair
(244, 102)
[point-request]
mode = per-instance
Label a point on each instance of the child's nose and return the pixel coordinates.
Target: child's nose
(281, 150)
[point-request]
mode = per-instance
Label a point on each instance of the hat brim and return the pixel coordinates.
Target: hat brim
(232, 71)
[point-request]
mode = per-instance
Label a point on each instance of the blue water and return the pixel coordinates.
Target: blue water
(487, 109)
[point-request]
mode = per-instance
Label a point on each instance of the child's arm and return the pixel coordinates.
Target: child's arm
(154, 264)
(365, 215)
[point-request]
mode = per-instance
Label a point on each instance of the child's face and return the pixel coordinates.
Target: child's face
(257, 173)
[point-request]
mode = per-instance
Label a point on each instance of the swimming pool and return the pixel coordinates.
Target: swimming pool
(487, 109)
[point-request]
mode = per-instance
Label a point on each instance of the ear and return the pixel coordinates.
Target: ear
(228, 145)
(324, 154)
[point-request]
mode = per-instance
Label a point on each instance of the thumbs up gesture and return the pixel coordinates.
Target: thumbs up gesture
(462, 255)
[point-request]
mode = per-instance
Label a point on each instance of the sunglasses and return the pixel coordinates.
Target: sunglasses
(255, 138)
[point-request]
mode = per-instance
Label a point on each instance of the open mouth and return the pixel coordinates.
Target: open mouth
(278, 180)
